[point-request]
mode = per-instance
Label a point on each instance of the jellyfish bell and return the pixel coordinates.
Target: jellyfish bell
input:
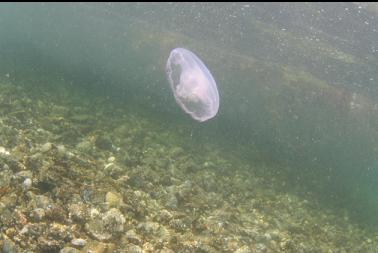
(192, 84)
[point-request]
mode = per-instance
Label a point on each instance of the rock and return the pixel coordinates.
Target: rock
(49, 245)
(178, 224)
(38, 214)
(61, 151)
(85, 146)
(3, 151)
(134, 249)
(99, 247)
(41, 201)
(164, 216)
(171, 200)
(79, 242)
(56, 213)
(166, 250)
(78, 212)
(24, 174)
(184, 190)
(69, 250)
(103, 142)
(114, 220)
(113, 170)
(149, 228)
(148, 247)
(9, 246)
(260, 248)
(113, 199)
(46, 147)
(132, 237)
(26, 185)
(243, 249)
(104, 226)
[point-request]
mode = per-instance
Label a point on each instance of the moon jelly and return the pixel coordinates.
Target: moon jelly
(192, 84)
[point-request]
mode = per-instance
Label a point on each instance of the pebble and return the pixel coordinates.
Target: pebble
(38, 214)
(62, 152)
(85, 146)
(46, 147)
(114, 220)
(165, 250)
(26, 185)
(243, 249)
(149, 228)
(104, 226)
(79, 242)
(69, 250)
(24, 174)
(260, 247)
(42, 201)
(9, 246)
(132, 237)
(171, 201)
(4, 151)
(113, 199)
(77, 212)
(134, 249)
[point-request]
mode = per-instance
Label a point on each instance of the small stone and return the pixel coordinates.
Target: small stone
(149, 228)
(99, 247)
(134, 249)
(94, 213)
(9, 246)
(27, 184)
(48, 244)
(132, 237)
(113, 170)
(4, 151)
(111, 159)
(164, 216)
(113, 199)
(11, 232)
(5, 167)
(260, 248)
(79, 242)
(114, 220)
(267, 236)
(42, 201)
(24, 174)
(148, 247)
(69, 250)
(103, 142)
(38, 214)
(166, 250)
(85, 146)
(104, 226)
(77, 212)
(243, 249)
(46, 147)
(107, 166)
(61, 151)
(171, 200)
(24, 230)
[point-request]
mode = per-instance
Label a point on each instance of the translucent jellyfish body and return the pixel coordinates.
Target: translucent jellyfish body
(192, 84)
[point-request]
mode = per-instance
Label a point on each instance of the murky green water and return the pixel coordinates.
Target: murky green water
(84, 91)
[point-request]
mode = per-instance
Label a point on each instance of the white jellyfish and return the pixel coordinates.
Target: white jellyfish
(192, 84)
